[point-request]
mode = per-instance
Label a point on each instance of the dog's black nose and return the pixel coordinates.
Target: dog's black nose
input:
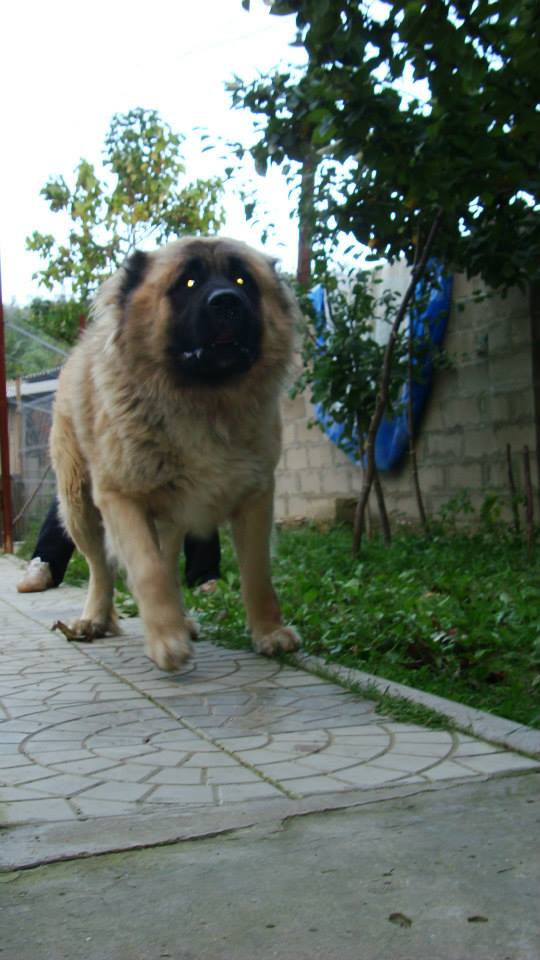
(226, 304)
(227, 314)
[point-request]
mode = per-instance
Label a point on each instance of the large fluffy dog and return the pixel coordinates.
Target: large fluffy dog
(166, 422)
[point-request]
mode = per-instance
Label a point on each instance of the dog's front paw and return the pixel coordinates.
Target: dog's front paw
(280, 640)
(170, 652)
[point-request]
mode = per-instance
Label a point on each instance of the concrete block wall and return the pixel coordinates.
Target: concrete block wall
(483, 402)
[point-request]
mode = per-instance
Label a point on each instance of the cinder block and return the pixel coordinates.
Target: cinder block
(480, 443)
(447, 445)
(521, 403)
(473, 379)
(431, 477)
(294, 409)
(457, 411)
(288, 436)
(287, 483)
(296, 458)
(335, 482)
(321, 455)
(311, 508)
(310, 481)
(281, 508)
(499, 407)
(512, 371)
(518, 436)
(306, 435)
(500, 336)
(463, 476)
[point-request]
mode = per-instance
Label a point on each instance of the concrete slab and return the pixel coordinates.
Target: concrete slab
(95, 736)
(448, 874)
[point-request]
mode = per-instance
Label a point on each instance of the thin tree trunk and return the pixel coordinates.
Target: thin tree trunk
(513, 491)
(529, 509)
(382, 394)
(305, 229)
(412, 438)
(385, 522)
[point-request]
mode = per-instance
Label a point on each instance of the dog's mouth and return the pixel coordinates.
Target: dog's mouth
(218, 340)
(223, 357)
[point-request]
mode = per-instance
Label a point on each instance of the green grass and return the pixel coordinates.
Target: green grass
(457, 614)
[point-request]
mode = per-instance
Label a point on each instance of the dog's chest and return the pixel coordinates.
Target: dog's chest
(204, 465)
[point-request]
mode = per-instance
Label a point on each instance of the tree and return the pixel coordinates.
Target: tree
(468, 144)
(451, 171)
(139, 199)
(27, 351)
(342, 362)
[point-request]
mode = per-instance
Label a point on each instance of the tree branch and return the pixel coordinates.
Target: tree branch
(384, 383)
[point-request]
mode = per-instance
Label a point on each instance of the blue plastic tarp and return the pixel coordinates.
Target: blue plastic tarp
(428, 328)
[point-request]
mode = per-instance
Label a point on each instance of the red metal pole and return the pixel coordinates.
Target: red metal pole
(7, 513)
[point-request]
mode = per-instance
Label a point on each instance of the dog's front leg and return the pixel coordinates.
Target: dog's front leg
(151, 577)
(252, 527)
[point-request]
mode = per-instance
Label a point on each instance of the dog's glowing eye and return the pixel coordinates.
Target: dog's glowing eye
(191, 282)
(240, 281)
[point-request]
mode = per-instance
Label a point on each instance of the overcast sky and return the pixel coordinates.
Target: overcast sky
(66, 68)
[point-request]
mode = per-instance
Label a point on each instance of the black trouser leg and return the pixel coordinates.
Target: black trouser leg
(54, 546)
(202, 559)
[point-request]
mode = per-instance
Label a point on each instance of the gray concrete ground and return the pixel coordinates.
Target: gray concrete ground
(254, 809)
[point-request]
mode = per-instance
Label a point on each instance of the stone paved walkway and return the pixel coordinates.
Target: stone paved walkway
(96, 730)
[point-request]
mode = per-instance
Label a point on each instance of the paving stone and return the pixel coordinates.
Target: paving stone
(138, 741)
(244, 792)
(126, 792)
(183, 793)
(394, 761)
(448, 770)
(172, 775)
(473, 748)
(216, 759)
(90, 807)
(368, 775)
(8, 794)
(231, 775)
(160, 758)
(13, 760)
(60, 785)
(21, 775)
(91, 765)
(27, 811)
(307, 786)
(498, 762)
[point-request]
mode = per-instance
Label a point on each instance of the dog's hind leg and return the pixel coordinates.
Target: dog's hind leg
(82, 521)
(252, 527)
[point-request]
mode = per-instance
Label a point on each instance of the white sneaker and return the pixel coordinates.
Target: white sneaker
(38, 577)
(209, 586)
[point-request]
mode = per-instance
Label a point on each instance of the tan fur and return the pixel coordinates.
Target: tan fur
(145, 461)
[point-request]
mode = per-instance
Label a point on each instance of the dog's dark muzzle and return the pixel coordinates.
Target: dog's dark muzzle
(219, 337)
(227, 314)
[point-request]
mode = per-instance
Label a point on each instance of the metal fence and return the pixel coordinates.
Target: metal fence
(32, 478)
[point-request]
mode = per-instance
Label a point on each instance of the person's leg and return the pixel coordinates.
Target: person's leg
(52, 553)
(54, 545)
(203, 559)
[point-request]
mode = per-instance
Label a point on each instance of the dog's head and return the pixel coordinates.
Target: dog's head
(210, 310)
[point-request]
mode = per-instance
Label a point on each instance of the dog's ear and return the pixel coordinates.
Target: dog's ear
(134, 269)
(132, 274)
